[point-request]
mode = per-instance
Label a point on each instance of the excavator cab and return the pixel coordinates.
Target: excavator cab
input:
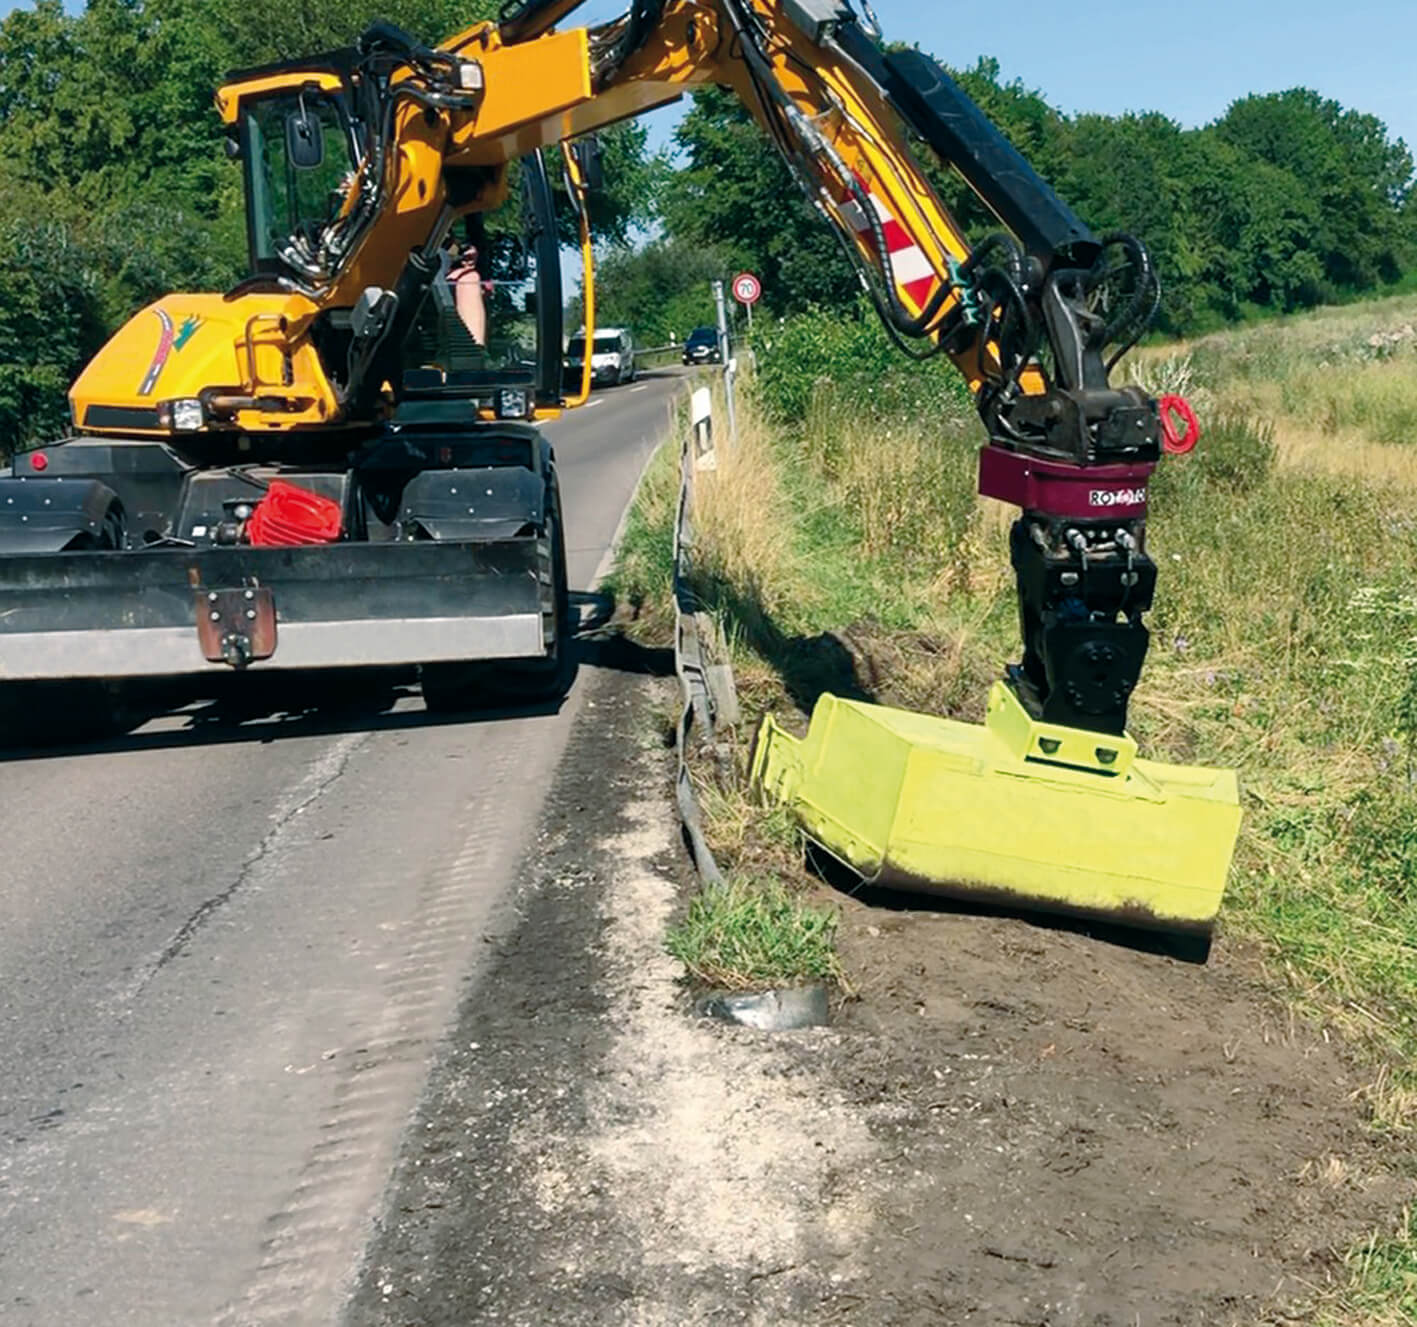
(303, 150)
(344, 317)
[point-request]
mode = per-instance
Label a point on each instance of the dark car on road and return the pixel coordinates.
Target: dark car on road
(702, 347)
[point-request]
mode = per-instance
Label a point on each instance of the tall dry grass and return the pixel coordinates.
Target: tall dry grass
(1339, 386)
(745, 518)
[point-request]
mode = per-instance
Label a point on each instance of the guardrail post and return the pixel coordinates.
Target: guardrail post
(701, 657)
(701, 417)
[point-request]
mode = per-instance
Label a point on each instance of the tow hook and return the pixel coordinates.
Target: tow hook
(237, 626)
(237, 651)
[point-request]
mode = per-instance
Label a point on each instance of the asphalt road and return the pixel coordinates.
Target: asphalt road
(227, 950)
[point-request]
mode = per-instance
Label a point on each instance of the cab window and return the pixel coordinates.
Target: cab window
(298, 157)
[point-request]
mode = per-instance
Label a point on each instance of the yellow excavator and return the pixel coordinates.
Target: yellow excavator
(317, 469)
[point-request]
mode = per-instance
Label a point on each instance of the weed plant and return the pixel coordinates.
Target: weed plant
(755, 933)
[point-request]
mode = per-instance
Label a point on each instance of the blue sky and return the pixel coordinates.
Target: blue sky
(1189, 58)
(1186, 58)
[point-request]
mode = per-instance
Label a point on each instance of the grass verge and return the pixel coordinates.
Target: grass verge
(642, 578)
(754, 933)
(850, 554)
(845, 550)
(1382, 1288)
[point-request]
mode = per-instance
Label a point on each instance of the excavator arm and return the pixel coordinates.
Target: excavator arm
(1035, 315)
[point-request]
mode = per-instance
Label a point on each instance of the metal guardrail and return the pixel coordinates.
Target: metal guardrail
(710, 699)
(669, 352)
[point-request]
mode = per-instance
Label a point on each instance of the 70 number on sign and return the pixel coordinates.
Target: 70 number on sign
(747, 290)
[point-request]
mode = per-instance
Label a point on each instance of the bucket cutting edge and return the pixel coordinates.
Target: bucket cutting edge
(1011, 812)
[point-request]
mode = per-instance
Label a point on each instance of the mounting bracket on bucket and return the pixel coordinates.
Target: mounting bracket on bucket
(1027, 738)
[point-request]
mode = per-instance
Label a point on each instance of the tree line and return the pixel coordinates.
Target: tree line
(1287, 201)
(114, 188)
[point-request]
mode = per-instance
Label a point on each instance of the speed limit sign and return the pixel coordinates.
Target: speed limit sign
(747, 289)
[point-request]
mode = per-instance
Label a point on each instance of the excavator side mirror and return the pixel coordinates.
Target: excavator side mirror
(588, 158)
(304, 139)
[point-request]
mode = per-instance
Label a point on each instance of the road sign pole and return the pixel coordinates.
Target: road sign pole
(724, 349)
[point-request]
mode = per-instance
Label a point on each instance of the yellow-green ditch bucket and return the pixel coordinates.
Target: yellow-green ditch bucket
(1011, 813)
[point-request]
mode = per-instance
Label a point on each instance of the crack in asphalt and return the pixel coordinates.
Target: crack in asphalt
(327, 771)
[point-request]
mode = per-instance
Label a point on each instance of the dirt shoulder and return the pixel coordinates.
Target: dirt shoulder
(1012, 1125)
(1103, 1135)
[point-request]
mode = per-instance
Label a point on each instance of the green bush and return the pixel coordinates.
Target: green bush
(51, 321)
(1237, 452)
(848, 356)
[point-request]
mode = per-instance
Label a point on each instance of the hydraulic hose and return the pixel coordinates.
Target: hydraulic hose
(1145, 300)
(898, 318)
(643, 18)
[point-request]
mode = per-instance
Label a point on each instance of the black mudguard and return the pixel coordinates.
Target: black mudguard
(52, 515)
(475, 504)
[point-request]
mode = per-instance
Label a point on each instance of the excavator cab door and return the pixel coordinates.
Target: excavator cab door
(299, 155)
(516, 367)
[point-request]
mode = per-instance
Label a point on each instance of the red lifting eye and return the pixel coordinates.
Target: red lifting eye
(39, 461)
(1178, 443)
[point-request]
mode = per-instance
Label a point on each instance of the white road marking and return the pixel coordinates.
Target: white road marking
(590, 405)
(643, 387)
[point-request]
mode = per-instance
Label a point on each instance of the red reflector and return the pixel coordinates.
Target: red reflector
(39, 461)
(289, 515)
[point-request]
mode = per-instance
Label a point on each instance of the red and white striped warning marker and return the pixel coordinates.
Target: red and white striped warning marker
(911, 268)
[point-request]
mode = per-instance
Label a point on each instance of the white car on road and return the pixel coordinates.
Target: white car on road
(612, 357)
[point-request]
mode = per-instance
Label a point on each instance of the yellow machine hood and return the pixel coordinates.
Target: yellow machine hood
(247, 360)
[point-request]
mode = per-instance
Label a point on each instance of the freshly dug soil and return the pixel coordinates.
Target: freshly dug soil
(1098, 1134)
(1013, 1124)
